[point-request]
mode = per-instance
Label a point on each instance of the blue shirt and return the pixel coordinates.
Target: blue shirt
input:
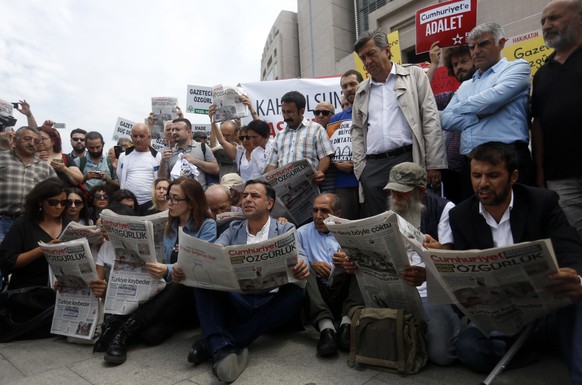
(206, 232)
(318, 246)
(492, 106)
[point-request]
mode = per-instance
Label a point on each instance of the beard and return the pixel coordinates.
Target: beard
(97, 154)
(561, 40)
(411, 211)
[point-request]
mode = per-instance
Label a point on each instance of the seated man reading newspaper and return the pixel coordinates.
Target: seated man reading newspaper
(230, 321)
(410, 199)
(503, 213)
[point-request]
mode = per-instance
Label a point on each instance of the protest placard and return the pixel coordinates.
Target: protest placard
(198, 99)
(448, 23)
(530, 47)
(122, 128)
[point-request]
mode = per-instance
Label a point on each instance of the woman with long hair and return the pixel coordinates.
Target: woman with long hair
(98, 201)
(50, 150)
(43, 220)
(159, 192)
(173, 308)
(77, 210)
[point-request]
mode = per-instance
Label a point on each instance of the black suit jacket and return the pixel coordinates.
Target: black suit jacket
(535, 215)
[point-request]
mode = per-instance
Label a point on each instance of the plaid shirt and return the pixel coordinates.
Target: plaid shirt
(17, 179)
(308, 141)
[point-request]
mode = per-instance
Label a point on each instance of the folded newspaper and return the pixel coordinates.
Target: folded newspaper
(228, 104)
(295, 190)
(76, 230)
(499, 289)
(76, 308)
(257, 267)
(377, 247)
(136, 240)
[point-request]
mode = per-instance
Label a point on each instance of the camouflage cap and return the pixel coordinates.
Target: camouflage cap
(405, 177)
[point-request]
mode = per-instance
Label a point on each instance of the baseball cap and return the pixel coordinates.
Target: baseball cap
(405, 177)
(231, 179)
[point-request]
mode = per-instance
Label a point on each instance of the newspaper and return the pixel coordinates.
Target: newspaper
(76, 308)
(75, 230)
(228, 104)
(377, 247)
(230, 214)
(500, 289)
(257, 267)
(134, 240)
(295, 190)
(164, 109)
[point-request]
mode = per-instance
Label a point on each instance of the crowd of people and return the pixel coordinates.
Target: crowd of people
(406, 142)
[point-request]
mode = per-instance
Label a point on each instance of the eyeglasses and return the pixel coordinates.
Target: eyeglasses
(321, 112)
(244, 137)
(101, 197)
(76, 202)
(174, 199)
(56, 202)
(78, 139)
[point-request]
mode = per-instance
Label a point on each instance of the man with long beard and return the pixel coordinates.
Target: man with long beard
(410, 199)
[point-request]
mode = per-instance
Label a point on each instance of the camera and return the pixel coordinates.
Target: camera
(6, 121)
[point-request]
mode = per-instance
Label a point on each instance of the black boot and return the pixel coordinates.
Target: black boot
(117, 351)
(109, 328)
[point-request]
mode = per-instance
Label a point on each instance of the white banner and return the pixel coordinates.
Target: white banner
(266, 97)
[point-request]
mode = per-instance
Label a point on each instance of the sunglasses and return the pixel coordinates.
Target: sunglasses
(244, 137)
(76, 202)
(101, 197)
(56, 202)
(321, 112)
(78, 139)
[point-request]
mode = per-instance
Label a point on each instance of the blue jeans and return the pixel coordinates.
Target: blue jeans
(5, 225)
(482, 354)
(443, 328)
(236, 320)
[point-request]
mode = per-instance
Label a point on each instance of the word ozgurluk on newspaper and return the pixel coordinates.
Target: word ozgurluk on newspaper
(164, 109)
(135, 244)
(256, 267)
(76, 308)
(376, 245)
(500, 289)
(295, 190)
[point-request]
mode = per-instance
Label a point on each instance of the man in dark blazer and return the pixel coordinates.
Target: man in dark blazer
(231, 321)
(502, 213)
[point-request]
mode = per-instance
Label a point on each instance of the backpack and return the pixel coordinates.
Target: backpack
(210, 178)
(26, 313)
(391, 340)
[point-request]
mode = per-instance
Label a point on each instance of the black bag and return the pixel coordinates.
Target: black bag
(387, 339)
(26, 313)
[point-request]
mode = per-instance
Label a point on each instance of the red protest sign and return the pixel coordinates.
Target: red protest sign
(448, 23)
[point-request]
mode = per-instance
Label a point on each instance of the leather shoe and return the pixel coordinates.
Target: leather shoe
(229, 364)
(343, 339)
(198, 353)
(327, 345)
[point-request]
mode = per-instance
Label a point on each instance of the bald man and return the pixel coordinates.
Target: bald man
(323, 112)
(137, 167)
(218, 198)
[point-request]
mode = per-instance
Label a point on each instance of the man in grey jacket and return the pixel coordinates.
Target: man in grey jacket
(394, 120)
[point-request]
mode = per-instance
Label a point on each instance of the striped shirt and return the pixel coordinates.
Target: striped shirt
(17, 179)
(308, 141)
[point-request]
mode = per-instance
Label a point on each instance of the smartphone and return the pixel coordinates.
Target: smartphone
(15, 105)
(118, 150)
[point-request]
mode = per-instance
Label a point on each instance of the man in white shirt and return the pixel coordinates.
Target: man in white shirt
(137, 167)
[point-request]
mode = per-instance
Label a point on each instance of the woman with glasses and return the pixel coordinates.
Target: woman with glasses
(240, 154)
(98, 201)
(77, 210)
(49, 149)
(20, 256)
(159, 193)
(259, 133)
(173, 308)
